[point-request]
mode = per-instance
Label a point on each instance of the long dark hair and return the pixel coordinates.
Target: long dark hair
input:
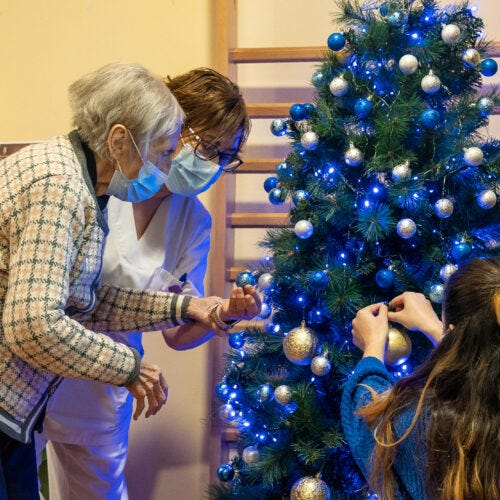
(459, 387)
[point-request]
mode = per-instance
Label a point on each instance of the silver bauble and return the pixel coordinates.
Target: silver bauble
(310, 488)
(443, 208)
(406, 228)
(398, 347)
(430, 83)
(450, 33)
(226, 413)
(303, 229)
(251, 454)
(408, 64)
(471, 58)
(283, 394)
(401, 172)
(447, 270)
(265, 281)
(339, 86)
(320, 366)
(353, 156)
(436, 293)
(485, 106)
(264, 393)
(265, 311)
(309, 140)
(473, 156)
(487, 199)
(299, 345)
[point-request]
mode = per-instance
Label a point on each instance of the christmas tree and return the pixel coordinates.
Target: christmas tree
(393, 182)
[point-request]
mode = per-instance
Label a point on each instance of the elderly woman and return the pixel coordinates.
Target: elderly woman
(51, 243)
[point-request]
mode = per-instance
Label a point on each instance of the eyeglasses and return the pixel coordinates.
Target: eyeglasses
(208, 151)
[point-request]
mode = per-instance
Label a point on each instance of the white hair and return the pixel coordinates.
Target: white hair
(124, 93)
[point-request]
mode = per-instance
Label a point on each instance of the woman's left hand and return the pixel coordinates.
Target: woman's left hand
(370, 328)
(243, 303)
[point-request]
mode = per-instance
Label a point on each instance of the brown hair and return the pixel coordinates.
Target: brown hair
(211, 101)
(459, 388)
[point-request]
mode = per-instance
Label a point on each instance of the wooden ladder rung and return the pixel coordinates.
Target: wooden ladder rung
(242, 219)
(259, 166)
(277, 54)
(269, 109)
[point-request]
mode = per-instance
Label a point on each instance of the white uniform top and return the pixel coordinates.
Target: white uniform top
(175, 245)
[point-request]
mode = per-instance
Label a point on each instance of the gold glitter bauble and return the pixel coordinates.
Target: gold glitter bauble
(310, 488)
(299, 345)
(398, 347)
(283, 394)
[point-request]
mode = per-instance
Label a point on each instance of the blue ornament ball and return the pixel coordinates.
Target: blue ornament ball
(430, 118)
(318, 280)
(245, 278)
(225, 472)
(363, 107)
(279, 127)
(270, 183)
(385, 278)
(310, 109)
(384, 9)
(488, 67)
(461, 251)
(300, 195)
(237, 340)
(297, 112)
(264, 393)
(336, 41)
(317, 79)
(284, 170)
(222, 390)
(396, 19)
(277, 196)
(485, 105)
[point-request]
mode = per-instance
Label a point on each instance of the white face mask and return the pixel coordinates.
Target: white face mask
(149, 181)
(190, 175)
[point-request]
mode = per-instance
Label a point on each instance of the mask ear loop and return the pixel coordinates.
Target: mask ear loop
(135, 145)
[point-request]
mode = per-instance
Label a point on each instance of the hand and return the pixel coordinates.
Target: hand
(152, 385)
(415, 312)
(369, 330)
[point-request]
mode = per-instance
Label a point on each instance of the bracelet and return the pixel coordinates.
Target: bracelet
(214, 314)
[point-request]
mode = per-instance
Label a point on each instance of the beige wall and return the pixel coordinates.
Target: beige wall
(46, 44)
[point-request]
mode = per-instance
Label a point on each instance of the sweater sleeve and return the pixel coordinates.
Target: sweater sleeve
(371, 372)
(46, 234)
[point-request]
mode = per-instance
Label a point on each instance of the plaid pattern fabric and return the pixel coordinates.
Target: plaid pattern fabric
(51, 243)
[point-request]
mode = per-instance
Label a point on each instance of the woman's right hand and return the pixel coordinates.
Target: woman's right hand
(415, 312)
(370, 329)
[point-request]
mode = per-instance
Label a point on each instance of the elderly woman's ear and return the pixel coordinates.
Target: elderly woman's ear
(118, 142)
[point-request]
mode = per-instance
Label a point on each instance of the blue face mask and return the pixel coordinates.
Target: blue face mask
(190, 175)
(149, 181)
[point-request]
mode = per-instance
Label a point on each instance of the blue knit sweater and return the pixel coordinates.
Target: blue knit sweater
(411, 454)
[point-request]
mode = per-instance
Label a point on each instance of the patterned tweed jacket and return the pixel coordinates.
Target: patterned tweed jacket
(51, 240)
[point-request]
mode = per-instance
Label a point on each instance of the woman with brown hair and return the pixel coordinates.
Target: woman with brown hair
(435, 433)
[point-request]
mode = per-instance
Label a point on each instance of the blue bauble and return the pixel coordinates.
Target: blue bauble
(237, 340)
(384, 9)
(363, 107)
(318, 280)
(317, 79)
(461, 251)
(300, 195)
(396, 19)
(488, 67)
(385, 278)
(279, 127)
(430, 118)
(297, 112)
(222, 390)
(270, 183)
(310, 109)
(284, 170)
(485, 106)
(336, 41)
(245, 278)
(225, 472)
(277, 196)
(265, 393)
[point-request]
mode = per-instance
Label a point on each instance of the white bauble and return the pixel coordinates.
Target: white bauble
(430, 83)
(487, 199)
(436, 293)
(406, 228)
(339, 86)
(303, 229)
(283, 394)
(408, 64)
(251, 454)
(401, 172)
(447, 270)
(450, 33)
(473, 156)
(309, 140)
(471, 58)
(265, 281)
(353, 156)
(320, 366)
(443, 208)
